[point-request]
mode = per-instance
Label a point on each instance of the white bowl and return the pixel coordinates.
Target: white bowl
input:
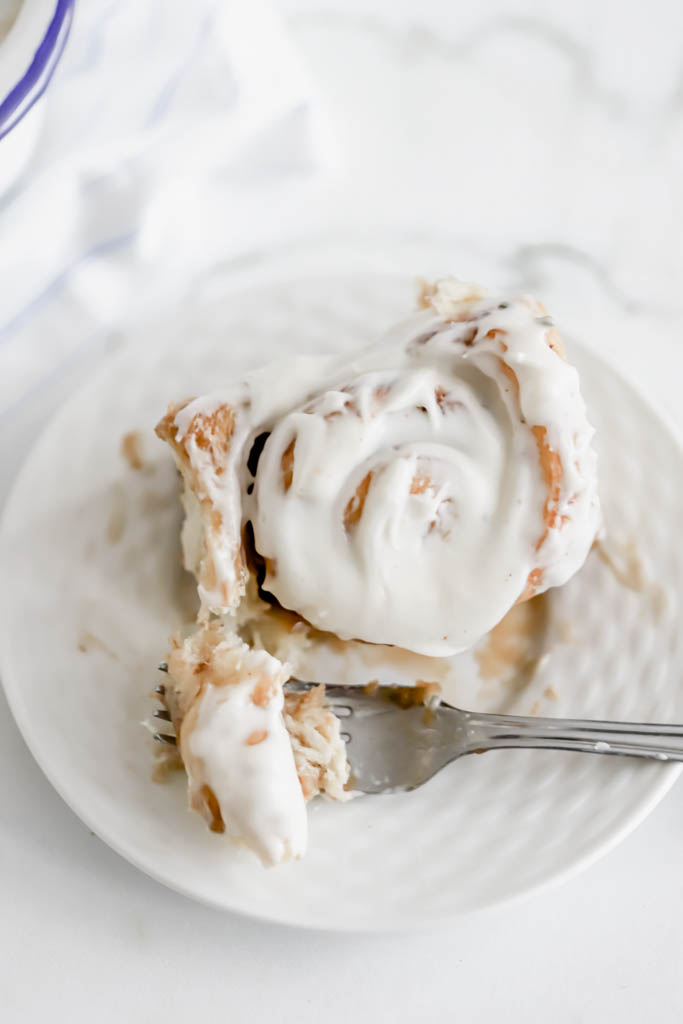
(33, 34)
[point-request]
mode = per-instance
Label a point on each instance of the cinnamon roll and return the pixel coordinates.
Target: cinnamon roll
(409, 494)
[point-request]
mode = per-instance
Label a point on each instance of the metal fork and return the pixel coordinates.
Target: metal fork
(392, 748)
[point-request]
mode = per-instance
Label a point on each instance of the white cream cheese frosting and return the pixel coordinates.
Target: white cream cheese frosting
(241, 770)
(412, 493)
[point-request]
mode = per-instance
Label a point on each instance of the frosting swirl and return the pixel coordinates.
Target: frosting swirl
(409, 495)
(415, 503)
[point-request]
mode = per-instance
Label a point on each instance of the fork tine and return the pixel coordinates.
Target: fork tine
(338, 698)
(297, 686)
(370, 693)
(162, 714)
(333, 691)
(162, 737)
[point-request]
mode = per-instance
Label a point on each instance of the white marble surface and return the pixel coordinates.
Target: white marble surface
(541, 144)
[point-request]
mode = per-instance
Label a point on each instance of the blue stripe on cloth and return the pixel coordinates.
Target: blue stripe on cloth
(170, 87)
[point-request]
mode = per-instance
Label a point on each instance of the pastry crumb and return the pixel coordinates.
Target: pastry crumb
(116, 524)
(88, 642)
(131, 449)
(423, 694)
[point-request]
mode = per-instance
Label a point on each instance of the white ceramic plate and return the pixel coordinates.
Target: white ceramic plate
(90, 592)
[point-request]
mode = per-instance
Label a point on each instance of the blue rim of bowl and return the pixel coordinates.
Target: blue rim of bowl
(36, 78)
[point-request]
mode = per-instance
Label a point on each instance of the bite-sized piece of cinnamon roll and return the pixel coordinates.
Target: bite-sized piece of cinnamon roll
(319, 750)
(250, 771)
(408, 494)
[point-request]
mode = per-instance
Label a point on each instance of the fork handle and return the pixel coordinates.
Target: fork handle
(489, 732)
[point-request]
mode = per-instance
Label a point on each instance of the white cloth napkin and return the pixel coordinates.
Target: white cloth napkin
(178, 134)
